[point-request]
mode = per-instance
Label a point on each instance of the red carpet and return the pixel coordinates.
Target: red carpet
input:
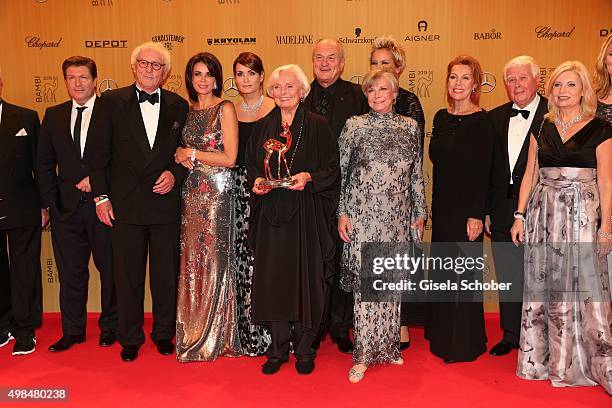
(96, 377)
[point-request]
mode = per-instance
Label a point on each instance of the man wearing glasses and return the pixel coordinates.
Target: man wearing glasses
(136, 185)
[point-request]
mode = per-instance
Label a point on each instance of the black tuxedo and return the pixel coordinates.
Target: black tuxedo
(20, 222)
(502, 202)
(346, 100)
(125, 167)
(76, 231)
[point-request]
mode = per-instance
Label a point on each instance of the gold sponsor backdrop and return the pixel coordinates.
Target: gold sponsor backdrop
(37, 35)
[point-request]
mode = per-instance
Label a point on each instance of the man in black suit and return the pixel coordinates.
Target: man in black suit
(21, 218)
(76, 232)
(336, 100)
(137, 188)
(514, 122)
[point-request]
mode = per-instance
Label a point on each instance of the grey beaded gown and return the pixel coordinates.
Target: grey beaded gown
(382, 189)
(207, 320)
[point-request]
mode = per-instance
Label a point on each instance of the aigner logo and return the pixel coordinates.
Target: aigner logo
(36, 42)
(419, 82)
(294, 39)
(232, 41)
(168, 40)
(493, 35)
(106, 85)
(44, 88)
(358, 39)
(173, 83)
(102, 3)
(488, 82)
(105, 43)
(547, 33)
(422, 25)
(229, 87)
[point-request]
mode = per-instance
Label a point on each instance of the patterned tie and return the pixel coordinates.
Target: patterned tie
(323, 103)
(77, 128)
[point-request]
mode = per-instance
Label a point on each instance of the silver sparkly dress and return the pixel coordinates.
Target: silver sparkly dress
(207, 324)
(382, 188)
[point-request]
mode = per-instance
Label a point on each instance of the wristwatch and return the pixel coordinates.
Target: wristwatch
(519, 216)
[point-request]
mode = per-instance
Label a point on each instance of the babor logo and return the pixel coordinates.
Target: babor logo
(488, 82)
(422, 25)
(106, 85)
(229, 87)
(492, 35)
(44, 88)
(173, 83)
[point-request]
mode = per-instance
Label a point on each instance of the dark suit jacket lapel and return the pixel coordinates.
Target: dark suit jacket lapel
(534, 128)
(339, 104)
(136, 123)
(92, 124)
(8, 128)
(163, 124)
(66, 131)
(507, 169)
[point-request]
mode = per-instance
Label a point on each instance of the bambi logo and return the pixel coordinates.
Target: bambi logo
(44, 88)
(229, 87)
(107, 85)
(422, 25)
(357, 79)
(488, 82)
(173, 83)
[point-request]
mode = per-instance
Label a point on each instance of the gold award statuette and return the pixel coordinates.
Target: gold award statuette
(271, 146)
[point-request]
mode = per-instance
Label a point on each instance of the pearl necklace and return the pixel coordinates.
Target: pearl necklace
(250, 110)
(566, 126)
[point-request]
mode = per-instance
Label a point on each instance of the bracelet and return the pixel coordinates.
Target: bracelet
(193, 153)
(603, 234)
(519, 216)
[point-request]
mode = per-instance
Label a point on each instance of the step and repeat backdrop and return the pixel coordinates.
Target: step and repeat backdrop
(37, 35)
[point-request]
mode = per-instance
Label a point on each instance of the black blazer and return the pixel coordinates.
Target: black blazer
(501, 209)
(56, 150)
(124, 167)
(19, 199)
(348, 101)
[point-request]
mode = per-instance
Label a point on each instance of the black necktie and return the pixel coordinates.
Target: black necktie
(323, 103)
(524, 113)
(77, 128)
(152, 98)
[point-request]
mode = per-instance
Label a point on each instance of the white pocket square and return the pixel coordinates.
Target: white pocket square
(22, 132)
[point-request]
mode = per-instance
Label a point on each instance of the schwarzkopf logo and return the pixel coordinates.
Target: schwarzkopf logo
(357, 40)
(106, 85)
(105, 43)
(422, 26)
(493, 35)
(102, 3)
(168, 39)
(419, 82)
(173, 83)
(547, 33)
(36, 42)
(232, 41)
(294, 39)
(44, 88)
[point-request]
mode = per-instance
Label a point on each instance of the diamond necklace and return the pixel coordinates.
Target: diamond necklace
(254, 108)
(566, 126)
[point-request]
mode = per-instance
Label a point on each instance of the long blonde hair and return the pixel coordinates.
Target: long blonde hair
(602, 80)
(588, 102)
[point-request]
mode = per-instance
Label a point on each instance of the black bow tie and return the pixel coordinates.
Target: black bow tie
(524, 112)
(152, 98)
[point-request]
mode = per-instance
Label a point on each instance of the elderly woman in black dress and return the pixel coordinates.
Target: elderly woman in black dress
(290, 230)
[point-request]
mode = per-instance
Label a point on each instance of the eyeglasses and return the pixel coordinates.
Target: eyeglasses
(144, 64)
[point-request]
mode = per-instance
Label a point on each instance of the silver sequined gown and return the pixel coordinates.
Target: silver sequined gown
(382, 186)
(207, 323)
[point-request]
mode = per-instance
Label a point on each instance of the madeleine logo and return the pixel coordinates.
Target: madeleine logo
(44, 88)
(168, 40)
(36, 42)
(548, 33)
(294, 39)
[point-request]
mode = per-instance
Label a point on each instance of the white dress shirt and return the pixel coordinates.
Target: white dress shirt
(150, 116)
(84, 119)
(517, 132)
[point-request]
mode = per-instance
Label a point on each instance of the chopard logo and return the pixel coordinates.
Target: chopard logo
(229, 87)
(36, 42)
(232, 41)
(488, 82)
(106, 85)
(547, 33)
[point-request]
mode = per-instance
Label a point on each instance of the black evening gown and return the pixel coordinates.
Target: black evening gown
(460, 150)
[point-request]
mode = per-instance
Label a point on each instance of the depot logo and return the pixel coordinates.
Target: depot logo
(106, 43)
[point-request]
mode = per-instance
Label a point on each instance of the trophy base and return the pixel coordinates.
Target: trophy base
(277, 183)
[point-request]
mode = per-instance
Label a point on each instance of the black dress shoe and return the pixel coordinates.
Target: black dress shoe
(24, 345)
(404, 345)
(344, 345)
(165, 347)
(107, 338)
(449, 361)
(129, 353)
(304, 367)
(502, 348)
(272, 366)
(66, 342)
(5, 338)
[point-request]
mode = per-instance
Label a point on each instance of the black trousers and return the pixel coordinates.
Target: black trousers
(131, 245)
(20, 280)
(339, 303)
(74, 241)
(280, 331)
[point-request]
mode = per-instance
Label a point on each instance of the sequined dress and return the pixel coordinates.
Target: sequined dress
(382, 186)
(207, 322)
(604, 111)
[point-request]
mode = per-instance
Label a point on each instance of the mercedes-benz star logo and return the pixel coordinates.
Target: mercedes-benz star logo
(488, 82)
(107, 85)
(229, 87)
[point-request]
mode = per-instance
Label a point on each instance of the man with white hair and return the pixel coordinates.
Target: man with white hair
(514, 121)
(136, 185)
